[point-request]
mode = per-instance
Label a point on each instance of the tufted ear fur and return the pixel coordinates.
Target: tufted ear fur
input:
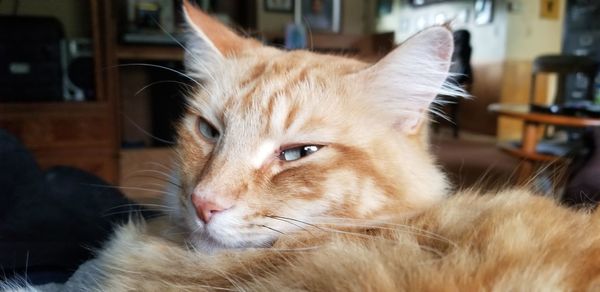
(209, 42)
(213, 34)
(406, 81)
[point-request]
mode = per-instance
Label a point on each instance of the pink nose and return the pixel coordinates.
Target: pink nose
(205, 208)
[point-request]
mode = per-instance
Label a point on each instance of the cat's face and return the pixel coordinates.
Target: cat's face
(273, 140)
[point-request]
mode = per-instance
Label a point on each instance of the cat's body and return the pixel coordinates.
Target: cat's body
(510, 241)
(301, 171)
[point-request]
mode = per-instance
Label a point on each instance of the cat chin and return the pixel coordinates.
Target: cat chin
(216, 236)
(206, 243)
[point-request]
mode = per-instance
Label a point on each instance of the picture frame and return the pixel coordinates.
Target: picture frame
(319, 15)
(483, 12)
(282, 6)
(384, 7)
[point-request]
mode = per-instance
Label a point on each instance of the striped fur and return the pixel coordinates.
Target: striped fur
(263, 100)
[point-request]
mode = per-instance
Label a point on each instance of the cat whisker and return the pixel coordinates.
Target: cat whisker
(292, 223)
(158, 213)
(190, 54)
(128, 188)
(299, 249)
(137, 205)
(158, 207)
(411, 232)
(393, 242)
(160, 67)
(160, 82)
(295, 220)
(163, 180)
(333, 230)
(139, 128)
(166, 175)
(423, 232)
(123, 206)
(170, 170)
(196, 229)
(270, 228)
(159, 185)
(436, 109)
(162, 210)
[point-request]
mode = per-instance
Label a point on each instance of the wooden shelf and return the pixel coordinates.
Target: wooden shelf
(521, 111)
(149, 52)
(518, 152)
(55, 106)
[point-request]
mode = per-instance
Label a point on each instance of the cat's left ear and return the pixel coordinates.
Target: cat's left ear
(213, 37)
(406, 81)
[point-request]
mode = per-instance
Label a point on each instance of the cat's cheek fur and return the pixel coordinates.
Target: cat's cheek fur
(224, 231)
(241, 227)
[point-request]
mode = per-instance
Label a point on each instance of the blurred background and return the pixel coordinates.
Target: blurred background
(94, 85)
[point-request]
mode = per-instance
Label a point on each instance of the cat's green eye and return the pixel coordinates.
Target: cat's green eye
(296, 153)
(207, 130)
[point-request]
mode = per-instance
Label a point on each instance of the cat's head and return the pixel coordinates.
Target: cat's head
(270, 133)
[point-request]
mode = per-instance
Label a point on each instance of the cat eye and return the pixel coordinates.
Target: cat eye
(296, 153)
(207, 130)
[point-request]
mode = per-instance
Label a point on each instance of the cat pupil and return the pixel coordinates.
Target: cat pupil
(298, 152)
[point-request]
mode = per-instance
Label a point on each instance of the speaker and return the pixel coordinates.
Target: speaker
(30, 59)
(78, 70)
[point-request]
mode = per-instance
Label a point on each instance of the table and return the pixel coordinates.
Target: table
(530, 136)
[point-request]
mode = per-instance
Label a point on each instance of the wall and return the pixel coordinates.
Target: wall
(489, 50)
(357, 18)
(74, 14)
(502, 53)
(271, 22)
(488, 39)
(530, 36)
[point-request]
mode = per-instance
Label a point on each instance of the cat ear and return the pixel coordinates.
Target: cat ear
(210, 34)
(406, 81)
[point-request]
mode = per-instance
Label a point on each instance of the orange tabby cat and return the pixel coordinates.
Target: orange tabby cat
(302, 171)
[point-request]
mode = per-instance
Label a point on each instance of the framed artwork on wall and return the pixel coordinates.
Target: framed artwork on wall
(384, 7)
(319, 15)
(483, 11)
(284, 6)
(549, 9)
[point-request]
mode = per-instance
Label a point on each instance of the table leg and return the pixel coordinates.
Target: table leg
(528, 145)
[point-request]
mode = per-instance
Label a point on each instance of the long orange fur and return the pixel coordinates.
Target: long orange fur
(369, 211)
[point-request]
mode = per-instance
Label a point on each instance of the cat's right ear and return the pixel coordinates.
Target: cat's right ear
(406, 81)
(209, 36)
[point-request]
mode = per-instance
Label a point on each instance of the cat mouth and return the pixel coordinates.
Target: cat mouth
(206, 238)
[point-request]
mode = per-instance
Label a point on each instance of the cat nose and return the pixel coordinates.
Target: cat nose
(206, 208)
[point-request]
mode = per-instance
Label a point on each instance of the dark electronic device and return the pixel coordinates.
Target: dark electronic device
(30, 59)
(78, 70)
